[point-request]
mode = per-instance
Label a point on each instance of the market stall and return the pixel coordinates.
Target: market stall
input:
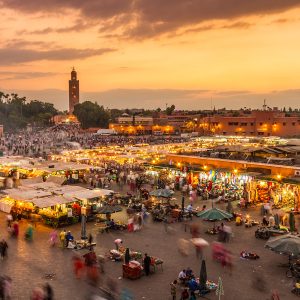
(91, 200)
(56, 210)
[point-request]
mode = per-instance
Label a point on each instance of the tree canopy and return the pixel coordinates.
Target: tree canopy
(170, 110)
(16, 112)
(91, 114)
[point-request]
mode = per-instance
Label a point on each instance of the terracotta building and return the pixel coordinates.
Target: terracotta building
(178, 121)
(73, 91)
(132, 124)
(254, 123)
(140, 125)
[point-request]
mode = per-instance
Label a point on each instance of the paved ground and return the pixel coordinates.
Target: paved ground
(28, 262)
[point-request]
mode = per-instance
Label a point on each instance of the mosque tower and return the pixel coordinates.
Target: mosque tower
(73, 91)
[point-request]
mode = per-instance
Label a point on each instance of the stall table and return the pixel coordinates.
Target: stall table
(81, 244)
(155, 262)
(132, 270)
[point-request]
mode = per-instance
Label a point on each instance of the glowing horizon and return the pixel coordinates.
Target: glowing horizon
(195, 50)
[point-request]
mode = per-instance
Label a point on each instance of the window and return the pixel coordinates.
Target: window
(260, 133)
(233, 123)
(251, 132)
(252, 124)
(243, 124)
(294, 124)
(260, 124)
(224, 132)
(284, 124)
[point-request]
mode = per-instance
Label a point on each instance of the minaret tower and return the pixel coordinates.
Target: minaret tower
(73, 91)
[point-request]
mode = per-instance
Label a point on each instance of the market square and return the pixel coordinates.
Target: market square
(153, 208)
(149, 150)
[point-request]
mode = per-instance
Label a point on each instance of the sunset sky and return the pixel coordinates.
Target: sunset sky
(146, 53)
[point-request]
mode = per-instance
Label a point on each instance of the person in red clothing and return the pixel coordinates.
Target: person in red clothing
(78, 266)
(15, 231)
(184, 295)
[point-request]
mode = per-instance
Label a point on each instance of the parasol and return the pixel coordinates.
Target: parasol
(109, 209)
(287, 244)
(164, 193)
(203, 276)
(214, 214)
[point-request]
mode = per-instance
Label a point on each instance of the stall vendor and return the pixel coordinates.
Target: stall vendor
(118, 242)
(147, 263)
(69, 237)
(193, 285)
(182, 276)
(238, 220)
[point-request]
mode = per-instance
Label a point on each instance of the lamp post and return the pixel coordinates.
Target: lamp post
(83, 223)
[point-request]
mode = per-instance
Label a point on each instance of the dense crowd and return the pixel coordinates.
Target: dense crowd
(41, 142)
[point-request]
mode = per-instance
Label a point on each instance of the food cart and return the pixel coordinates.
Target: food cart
(132, 270)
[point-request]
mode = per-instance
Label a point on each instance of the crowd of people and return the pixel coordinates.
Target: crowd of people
(39, 142)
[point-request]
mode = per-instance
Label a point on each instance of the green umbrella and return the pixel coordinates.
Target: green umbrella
(109, 209)
(287, 244)
(292, 222)
(214, 214)
(164, 193)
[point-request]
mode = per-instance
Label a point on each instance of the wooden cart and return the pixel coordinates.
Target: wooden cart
(132, 271)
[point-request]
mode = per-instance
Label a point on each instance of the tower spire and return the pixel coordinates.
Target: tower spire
(73, 91)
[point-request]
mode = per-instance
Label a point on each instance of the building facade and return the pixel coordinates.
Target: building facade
(255, 123)
(73, 91)
(137, 125)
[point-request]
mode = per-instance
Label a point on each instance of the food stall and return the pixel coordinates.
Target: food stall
(91, 200)
(71, 172)
(22, 197)
(58, 205)
(56, 210)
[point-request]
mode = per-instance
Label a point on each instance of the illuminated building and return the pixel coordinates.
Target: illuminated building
(132, 125)
(251, 123)
(65, 119)
(73, 91)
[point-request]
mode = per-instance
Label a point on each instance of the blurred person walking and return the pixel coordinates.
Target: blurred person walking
(173, 289)
(3, 249)
(53, 238)
(62, 238)
(48, 291)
